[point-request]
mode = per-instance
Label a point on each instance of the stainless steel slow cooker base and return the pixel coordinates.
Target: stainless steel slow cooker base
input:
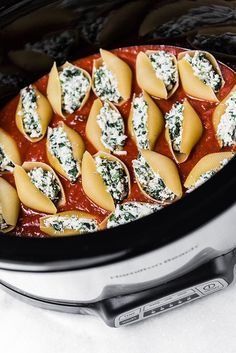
(140, 287)
(165, 260)
(123, 310)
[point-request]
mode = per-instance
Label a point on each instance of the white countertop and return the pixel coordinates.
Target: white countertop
(206, 325)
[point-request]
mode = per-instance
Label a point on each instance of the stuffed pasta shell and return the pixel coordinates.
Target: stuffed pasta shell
(208, 166)
(9, 206)
(9, 153)
(183, 130)
(200, 75)
(33, 114)
(128, 212)
(157, 73)
(65, 148)
(224, 120)
(105, 179)
(105, 127)
(68, 223)
(39, 187)
(157, 177)
(145, 121)
(68, 88)
(112, 78)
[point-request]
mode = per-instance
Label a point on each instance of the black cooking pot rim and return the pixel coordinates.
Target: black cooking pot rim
(149, 233)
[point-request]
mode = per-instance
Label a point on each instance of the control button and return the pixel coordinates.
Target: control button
(210, 287)
(153, 311)
(152, 305)
(184, 293)
(170, 298)
(129, 320)
(130, 314)
(170, 305)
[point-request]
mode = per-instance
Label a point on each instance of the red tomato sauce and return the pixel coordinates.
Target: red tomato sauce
(28, 223)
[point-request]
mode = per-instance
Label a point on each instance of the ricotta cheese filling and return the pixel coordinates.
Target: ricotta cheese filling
(150, 181)
(130, 211)
(112, 128)
(6, 165)
(226, 130)
(114, 177)
(207, 175)
(62, 223)
(164, 67)
(106, 85)
(174, 123)
(74, 86)
(204, 70)
(3, 223)
(46, 182)
(61, 148)
(30, 117)
(139, 121)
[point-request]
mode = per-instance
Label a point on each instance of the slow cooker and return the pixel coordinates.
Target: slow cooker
(162, 261)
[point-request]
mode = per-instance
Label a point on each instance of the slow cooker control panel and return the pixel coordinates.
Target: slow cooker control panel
(169, 302)
(210, 277)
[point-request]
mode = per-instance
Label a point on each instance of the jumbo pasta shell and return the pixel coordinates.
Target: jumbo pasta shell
(192, 132)
(103, 224)
(192, 85)
(207, 163)
(147, 78)
(218, 112)
(54, 91)
(10, 147)
(93, 184)
(9, 204)
(44, 111)
(51, 231)
(120, 70)
(29, 195)
(155, 121)
(93, 130)
(78, 148)
(167, 170)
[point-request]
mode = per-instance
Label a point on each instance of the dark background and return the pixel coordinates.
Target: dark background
(35, 33)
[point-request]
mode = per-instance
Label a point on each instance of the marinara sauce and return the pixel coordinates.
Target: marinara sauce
(28, 222)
